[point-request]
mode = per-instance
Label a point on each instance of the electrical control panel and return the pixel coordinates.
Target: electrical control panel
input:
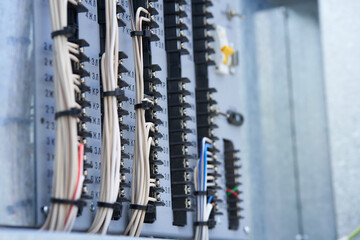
(191, 73)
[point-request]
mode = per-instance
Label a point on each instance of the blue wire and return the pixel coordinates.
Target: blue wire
(207, 145)
(205, 165)
(202, 174)
(199, 178)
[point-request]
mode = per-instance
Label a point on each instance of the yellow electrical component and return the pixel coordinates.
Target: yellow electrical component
(228, 51)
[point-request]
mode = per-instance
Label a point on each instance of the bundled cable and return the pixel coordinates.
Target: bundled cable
(202, 180)
(68, 167)
(141, 181)
(111, 141)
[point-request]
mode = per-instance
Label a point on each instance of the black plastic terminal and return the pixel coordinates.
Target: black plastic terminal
(150, 107)
(204, 98)
(67, 31)
(148, 208)
(72, 33)
(176, 84)
(232, 184)
(119, 93)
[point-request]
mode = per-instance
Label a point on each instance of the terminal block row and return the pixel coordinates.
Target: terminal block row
(232, 177)
(176, 85)
(204, 94)
(79, 69)
(150, 90)
(120, 99)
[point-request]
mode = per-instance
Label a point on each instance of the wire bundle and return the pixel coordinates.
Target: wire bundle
(202, 180)
(68, 167)
(141, 181)
(111, 141)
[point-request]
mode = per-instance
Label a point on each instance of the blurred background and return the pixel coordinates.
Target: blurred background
(301, 73)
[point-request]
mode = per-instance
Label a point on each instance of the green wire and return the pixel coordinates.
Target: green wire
(354, 233)
(234, 189)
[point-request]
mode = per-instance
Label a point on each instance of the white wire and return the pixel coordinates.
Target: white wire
(141, 166)
(111, 141)
(67, 178)
(203, 209)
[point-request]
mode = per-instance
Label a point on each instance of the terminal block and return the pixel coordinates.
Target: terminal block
(180, 171)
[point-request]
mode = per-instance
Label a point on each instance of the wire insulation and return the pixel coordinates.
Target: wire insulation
(111, 140)
(140, 186)
(68, 165)
(202, 180)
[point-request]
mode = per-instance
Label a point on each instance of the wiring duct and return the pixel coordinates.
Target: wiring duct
(202, 180)
(111, 141)
(141, 182)
(68, 166)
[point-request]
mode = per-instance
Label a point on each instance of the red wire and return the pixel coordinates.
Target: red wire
(232, 192)
(80, 160)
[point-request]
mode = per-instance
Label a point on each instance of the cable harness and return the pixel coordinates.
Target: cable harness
(204, 205)
(111, 141)
(68, 166)
(141, 182)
